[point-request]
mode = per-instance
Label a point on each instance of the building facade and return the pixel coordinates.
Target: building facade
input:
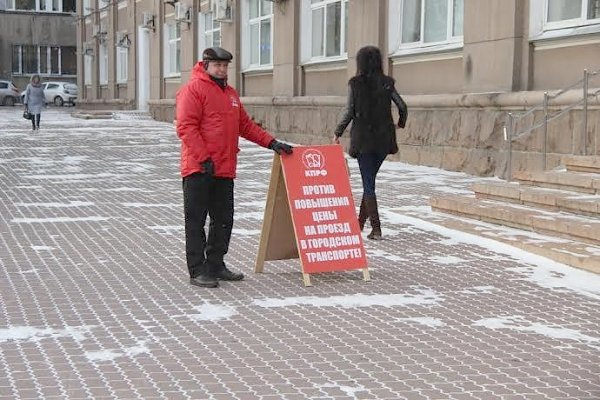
(462, 65)
(38, 37)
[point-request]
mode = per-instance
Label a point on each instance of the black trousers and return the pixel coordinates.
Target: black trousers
(213, 197)
(35, 120)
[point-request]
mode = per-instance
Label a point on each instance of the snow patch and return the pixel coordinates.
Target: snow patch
(109, 355)
(425, 297)
(213, 312)
(426, 321)
(519, 323)
(58, 219)
(546, 273)
(33, 334)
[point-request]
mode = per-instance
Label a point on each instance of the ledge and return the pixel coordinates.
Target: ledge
(515, 100)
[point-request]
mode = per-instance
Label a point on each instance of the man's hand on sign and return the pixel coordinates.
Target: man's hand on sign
(280, 147)
(336, 139)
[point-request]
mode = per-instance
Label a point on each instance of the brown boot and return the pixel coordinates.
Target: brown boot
(373, 212)
(362, 214)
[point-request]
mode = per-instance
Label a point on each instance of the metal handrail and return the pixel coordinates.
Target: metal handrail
(512, 118)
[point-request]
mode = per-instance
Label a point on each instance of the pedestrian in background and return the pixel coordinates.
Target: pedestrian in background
(210, 121)
(35, 100)
(373, 134)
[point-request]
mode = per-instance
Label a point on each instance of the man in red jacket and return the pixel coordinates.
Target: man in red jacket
(210, 120)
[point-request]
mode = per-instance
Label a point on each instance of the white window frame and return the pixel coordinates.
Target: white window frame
(40, 6)
(204, 33)
(88, 61)
(307, 8)
(122, 59)
(540, 28)
(103, 64)
(397, 47)
(171, 49)
(247, 24)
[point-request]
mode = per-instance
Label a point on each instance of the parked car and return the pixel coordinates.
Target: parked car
(58, 93)
(9, 94)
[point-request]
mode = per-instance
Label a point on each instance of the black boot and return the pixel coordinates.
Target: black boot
(362, 214)
(205, 281)
(225, 274)
(373, 212)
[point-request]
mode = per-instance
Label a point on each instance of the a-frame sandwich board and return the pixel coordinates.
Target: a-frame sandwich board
(309, 213)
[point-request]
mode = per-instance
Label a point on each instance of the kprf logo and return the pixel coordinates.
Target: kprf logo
(314, 162)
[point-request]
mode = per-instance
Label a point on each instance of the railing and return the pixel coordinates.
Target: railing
(512, 119)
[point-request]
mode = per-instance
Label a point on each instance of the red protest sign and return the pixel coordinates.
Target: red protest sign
(310, 213)
(320, 199)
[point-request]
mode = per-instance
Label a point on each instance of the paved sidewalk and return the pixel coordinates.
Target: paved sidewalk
(95, 300)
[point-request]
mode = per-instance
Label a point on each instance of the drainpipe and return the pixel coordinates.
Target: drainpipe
(545, 142)
(585, 110)
(508, 138)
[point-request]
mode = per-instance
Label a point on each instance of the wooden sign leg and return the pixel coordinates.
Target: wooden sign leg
(306, 278)
(268, 215)
(366, 274)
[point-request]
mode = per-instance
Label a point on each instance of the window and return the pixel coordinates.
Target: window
(44, 60)
(563, 18)
(260, 26)
(122, 62)
(103, 64)
(172, 50)
(68, 61)
(329, 21)
(426, 22)
(67, 6)
(579, 12)
(209, 32)
(87, 69)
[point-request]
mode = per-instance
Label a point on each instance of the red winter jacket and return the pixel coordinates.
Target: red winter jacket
(210, 121)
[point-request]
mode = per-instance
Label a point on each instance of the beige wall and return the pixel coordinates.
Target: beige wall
(440, 73)
(553, 67)
(496, 55)
(494, 34)
(458, 96)
(324, 80)
(259, 83)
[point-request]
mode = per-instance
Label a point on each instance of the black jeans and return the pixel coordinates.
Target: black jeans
(213, 197)
(35, 120)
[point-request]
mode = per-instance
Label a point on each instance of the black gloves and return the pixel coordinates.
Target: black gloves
(280, 147)
(209, 167)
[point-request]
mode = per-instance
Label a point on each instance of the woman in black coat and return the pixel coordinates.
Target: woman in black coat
(373, 133)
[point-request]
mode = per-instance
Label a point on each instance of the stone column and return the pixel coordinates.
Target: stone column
(189, 42)
(367, 25)
(285, 46)
(495, 45)
(111, 48)
(230, 41)
(132, 53)
(80, 50)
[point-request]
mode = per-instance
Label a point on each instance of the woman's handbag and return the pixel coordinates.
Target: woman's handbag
(27, 114)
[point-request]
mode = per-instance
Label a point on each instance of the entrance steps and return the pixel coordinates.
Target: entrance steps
(560, 208)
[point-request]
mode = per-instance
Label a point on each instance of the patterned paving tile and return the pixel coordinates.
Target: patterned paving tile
(95, 303)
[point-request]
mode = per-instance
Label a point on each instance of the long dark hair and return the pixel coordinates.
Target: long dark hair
(368, 62)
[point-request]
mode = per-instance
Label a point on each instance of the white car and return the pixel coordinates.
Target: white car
(9, 94)
(58, 93)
